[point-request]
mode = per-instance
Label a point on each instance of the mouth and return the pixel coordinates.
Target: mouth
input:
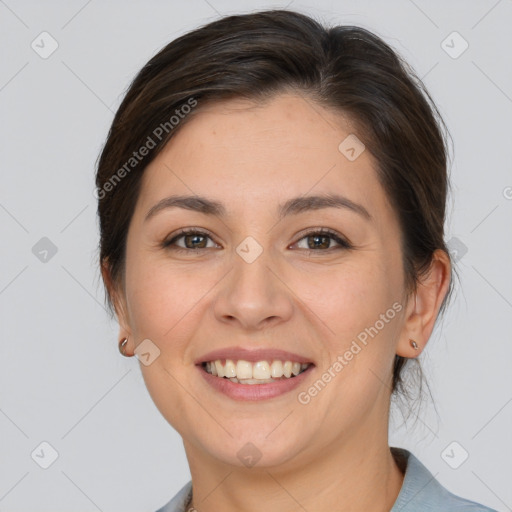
(254, 373)
(255, 377)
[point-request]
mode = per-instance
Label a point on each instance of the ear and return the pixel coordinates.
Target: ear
(118, 298)
(424, 306)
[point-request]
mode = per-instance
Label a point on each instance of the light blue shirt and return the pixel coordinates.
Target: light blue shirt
(420, 492)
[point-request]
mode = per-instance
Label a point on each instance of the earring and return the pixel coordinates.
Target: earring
(414, 345)
(122, 347)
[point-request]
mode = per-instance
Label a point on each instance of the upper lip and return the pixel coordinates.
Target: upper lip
(252, 355)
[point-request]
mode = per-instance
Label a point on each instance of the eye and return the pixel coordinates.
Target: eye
(322, 238)
(193, 239)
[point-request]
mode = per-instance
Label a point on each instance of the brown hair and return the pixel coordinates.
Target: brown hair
(255, 56)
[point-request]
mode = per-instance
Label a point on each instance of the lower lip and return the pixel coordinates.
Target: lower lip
(254, 391)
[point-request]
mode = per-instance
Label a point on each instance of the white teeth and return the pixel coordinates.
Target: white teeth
(220, 368)
(261, 372)
(243, 369)
(276, 369)
(230, 369)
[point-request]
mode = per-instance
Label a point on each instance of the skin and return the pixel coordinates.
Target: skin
(252, 157)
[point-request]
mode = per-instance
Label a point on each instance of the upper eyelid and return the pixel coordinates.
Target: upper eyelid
(189, 231)
(342, 240)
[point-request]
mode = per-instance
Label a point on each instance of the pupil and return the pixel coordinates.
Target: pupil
(316, 239)
(194, 239)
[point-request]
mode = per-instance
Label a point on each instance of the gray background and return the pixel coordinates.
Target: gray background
(62, 379)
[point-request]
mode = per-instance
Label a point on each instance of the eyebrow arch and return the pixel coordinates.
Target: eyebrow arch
(305, 203)
(293, 206)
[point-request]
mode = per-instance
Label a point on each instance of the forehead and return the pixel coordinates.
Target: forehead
(261, 153)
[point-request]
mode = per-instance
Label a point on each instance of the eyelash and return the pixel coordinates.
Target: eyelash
(343, 244)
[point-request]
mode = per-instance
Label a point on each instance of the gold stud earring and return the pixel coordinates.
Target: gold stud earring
(122, 347)
(414, 345)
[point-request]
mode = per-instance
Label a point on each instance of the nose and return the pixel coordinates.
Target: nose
(253, 295)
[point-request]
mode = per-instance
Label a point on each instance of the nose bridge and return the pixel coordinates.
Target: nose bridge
(252, 294)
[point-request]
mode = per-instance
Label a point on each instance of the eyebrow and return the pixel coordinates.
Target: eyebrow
(292, 206)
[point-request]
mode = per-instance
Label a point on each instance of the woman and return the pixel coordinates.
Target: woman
(271, 203)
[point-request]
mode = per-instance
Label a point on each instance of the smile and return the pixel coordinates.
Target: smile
(253, 381)
(260, 372)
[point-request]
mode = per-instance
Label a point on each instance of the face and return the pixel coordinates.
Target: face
(266, 274)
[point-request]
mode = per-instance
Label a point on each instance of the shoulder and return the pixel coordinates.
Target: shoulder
(421, 492)
(180, 500)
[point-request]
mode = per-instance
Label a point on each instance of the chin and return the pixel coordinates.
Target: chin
(256, 448)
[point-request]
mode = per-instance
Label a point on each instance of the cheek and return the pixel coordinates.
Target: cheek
(358, 304)
(361, 312)
(349, 299)
(165, 306)
(150, 301)
(165, 302)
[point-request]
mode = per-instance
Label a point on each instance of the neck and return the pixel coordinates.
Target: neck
(353, 474)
